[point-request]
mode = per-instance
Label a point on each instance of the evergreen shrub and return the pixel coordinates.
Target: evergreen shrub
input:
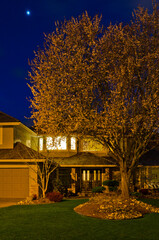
(112, 184)
(99, 189)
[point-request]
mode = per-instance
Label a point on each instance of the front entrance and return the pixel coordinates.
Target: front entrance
(91, 178)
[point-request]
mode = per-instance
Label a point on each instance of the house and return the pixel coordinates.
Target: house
(82, 164)
(86, 164)
(17, 156)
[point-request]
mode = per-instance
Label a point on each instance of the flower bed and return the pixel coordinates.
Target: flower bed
(115, 208)
(29, 201)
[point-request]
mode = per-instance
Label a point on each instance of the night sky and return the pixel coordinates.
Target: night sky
(21, 34)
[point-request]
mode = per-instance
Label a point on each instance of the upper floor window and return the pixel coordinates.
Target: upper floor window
(73, 143)
(90, 145)
(1, 135)
(41, 144)
(56, 143)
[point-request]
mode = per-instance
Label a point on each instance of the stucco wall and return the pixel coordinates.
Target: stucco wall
(25, 136)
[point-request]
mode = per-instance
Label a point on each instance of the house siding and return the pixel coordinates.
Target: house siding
(7, 138)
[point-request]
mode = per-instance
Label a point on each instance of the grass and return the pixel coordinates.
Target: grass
(58, 221)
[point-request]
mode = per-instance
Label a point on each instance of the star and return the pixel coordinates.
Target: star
(28, 12)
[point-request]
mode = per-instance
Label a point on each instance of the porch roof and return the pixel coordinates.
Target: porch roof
(85, 159)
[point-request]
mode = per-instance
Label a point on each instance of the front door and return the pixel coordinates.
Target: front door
(91, 178)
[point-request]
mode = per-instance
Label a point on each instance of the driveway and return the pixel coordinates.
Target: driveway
(8, 202)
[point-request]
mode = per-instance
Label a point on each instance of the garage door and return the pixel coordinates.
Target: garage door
(14, 183)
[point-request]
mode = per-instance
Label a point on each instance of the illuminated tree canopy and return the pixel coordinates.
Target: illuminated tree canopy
(101, 82)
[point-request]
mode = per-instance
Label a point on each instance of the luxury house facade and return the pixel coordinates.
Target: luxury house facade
(82, 164)
(17, 159)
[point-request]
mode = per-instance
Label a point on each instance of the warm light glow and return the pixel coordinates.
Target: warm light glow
(49, 143)
(84, 175)
(95, 175)
(88, 175)
(90, 145)
(57, 143)
(73, 143)
(40, 144)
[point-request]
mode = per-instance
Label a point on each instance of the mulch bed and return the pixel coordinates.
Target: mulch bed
(113, 207)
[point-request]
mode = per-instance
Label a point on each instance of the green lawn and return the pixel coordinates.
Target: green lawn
(58, 221)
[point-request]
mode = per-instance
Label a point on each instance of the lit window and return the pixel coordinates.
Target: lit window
(49, 143)
(58, 143)
(88, 175)
(73, 143)
(1, 135)
(84, 175)
(40, 144)
(90, 145)
(95, 175)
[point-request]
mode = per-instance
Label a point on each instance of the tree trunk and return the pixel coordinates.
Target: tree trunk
(124, 184)
(43, 193)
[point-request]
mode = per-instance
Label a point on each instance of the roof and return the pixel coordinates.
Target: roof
(20, 151)
(83, 159)
(6, 118)
(150, 158)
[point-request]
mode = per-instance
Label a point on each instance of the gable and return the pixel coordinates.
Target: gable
(5, 118)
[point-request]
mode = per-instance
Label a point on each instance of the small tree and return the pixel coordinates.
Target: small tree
(103, 84)
(44, 170)
(43, 166)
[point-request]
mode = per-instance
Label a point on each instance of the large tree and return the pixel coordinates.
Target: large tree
(103, 83)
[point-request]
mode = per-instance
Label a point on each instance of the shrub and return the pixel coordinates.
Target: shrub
(59, 187)
(54, 196)
(34, 197)
(99, 189)
(112, 184)
(144, 191)
(136, 194)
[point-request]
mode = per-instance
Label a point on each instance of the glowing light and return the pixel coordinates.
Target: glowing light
(58, 143)
(41, 144)
(28, 12)
(73, 143)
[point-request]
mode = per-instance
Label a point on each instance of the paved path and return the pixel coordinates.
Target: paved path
(8, 202)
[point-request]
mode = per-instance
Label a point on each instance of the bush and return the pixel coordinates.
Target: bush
(99, 189)
(136, 194)
(59, 187)
(54, 196)
(34, 197)
(144, 191)
(112, 184)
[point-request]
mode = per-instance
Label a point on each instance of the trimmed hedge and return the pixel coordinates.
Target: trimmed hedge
(99, 189)
(112, 184)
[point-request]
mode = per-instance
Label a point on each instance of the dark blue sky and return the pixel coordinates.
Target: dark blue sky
(22, 34)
